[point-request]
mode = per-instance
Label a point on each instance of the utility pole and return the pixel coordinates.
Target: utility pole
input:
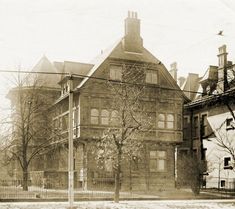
(219, 175)
(70, 141)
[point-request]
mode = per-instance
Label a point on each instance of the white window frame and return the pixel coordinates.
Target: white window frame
(115, 72)
(161, 120)
(157, 158)
(114, 118)
(170, 122)
(151, 77)
(94, 116)
(166, 121)
(104, 117)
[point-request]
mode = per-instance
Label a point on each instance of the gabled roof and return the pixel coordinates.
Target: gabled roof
(191, 85)
(145, 56)
(98, 61)
(117, 51)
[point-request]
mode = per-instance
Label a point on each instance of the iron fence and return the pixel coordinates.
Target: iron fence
(97, 185)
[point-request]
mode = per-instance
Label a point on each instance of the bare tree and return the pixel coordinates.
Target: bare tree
(30, 124)
(129, 121)
(224, 139)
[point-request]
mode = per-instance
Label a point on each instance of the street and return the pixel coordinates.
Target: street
(159, 204)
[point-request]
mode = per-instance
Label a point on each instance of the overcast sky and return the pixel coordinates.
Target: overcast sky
(184, 31)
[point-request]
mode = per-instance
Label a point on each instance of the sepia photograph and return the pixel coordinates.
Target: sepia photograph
(117, 104)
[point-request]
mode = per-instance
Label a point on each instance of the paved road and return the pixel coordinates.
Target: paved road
(161, 204)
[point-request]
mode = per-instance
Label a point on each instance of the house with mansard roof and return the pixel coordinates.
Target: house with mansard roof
(209, 123)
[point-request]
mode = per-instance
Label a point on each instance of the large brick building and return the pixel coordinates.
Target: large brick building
(93, 114)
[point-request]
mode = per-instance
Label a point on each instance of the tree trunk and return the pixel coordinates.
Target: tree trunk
(117, 178)
(25, 179)
(130, 183)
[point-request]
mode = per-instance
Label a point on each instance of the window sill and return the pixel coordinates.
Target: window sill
(158, 171)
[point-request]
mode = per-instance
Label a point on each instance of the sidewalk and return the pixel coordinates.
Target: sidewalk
(176, 194)
(163, 204)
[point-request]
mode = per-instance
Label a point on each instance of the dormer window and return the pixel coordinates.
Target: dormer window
(64, 88)
(151, 77)
(116, 72)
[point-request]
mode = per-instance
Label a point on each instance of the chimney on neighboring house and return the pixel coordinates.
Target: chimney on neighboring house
(132, 40)
(181, 81)
(173, 70)
(222, 69)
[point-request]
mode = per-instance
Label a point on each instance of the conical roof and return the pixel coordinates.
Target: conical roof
(46, 76)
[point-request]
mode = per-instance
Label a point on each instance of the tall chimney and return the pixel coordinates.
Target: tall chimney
(222, 69)
(132, 40)
(173, 70)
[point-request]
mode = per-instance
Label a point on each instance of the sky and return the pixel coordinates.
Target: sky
(179, 31)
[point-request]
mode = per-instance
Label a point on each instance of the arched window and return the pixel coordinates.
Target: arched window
(94, 116)
(114, 117)
(104, 117)
(170, 121)
(161, 121)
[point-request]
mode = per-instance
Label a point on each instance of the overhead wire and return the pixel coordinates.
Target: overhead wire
(100, 78)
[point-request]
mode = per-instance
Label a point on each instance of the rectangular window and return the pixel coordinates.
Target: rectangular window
(94, 116)
(116, 72)
(157, 161)
(151, 77)
(64, 88)
(230, 124)
(222, 183)
(195, 126)
(227, 163)
(104, 117)
(65, 119)
(186, 131)
(170, 121)
(204, 125)
(75, 117)
(108, 165)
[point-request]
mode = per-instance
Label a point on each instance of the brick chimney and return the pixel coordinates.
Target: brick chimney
(132, 40)
(181, 81)
(222, 69)
(173, 70)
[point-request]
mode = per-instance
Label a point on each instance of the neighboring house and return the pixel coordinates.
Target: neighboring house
(93, 114)
(206, 121)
